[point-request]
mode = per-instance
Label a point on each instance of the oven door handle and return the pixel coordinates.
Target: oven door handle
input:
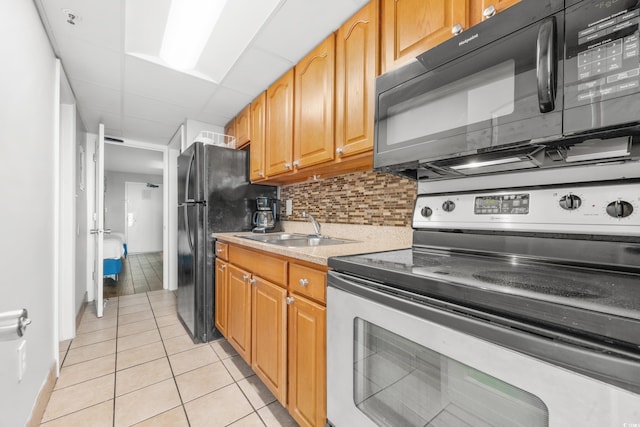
(599, 363)
(547, 65)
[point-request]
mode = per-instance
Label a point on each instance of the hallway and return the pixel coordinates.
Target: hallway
(137, 366)
(140, 273)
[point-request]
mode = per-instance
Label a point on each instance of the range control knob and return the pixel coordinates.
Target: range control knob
(619, 209)
(448, 206)
(426, 212)
(570, 202)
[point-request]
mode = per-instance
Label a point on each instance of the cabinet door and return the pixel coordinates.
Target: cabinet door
(279, 126)
(356, 70)
(242, 128)
(221, 299)
(239, 311)
(269, 339)
(230, 128)
(477, 8)
(410, 27)
(313, 140)
(307, 362)
(256, 149)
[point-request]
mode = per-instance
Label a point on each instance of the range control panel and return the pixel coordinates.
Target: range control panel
(602, 210)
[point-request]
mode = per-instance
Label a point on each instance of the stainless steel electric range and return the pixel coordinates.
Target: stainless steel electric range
(517, 306)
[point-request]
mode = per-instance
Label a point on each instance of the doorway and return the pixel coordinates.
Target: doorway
(134, 212)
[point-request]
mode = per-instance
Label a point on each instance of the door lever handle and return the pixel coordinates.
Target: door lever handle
(13, 324)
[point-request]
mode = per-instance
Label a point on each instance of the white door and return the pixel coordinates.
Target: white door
(143, 217)
(98, 220)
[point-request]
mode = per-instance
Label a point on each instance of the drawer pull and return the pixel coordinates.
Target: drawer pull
(303, 282)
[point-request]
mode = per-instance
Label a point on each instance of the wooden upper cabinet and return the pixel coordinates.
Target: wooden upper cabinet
(313, 140)
(257, 130)
(243, 127)
(478, 8)
(410, 27)
(230, 129)
(279, 126)
(356, 69)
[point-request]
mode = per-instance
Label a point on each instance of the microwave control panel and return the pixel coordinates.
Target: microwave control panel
(605, 53)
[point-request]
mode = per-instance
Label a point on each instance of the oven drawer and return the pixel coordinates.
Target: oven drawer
(390, 355)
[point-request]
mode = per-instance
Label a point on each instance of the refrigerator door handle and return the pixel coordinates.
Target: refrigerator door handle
(187, 227)
(187, 181)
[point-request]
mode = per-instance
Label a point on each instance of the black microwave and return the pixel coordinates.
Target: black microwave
(540, 73)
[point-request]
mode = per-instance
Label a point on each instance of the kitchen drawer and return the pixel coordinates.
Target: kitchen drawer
(308, 281)
(222, 251)
(268, 267)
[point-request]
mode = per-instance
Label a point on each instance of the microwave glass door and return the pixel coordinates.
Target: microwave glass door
(398, 382)
(491, 97)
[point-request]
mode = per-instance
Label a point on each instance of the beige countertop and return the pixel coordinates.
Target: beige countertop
(368, 238)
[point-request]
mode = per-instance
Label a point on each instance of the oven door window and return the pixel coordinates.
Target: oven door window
(400, 383)
(491, 97)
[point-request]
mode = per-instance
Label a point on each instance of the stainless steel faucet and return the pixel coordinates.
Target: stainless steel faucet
(316, 224)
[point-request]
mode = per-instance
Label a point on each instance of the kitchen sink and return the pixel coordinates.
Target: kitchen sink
(296, 240)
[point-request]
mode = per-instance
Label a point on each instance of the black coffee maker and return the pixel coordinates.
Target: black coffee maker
(266, 219)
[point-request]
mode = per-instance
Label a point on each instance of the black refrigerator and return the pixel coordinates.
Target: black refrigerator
(214, 195)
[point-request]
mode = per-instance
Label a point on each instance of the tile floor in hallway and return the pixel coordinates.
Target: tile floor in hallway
(140, 273)
(137, 366)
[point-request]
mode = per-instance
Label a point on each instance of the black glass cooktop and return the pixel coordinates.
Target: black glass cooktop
(588, 299)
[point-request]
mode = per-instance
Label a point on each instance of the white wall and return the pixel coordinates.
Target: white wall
(194, 127)
(115, 197)
(27, 133)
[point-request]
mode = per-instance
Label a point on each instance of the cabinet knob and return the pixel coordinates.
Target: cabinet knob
(489, 11)
(245, 277)
(303, 282)
(296, 163)
(223, 267)
(290, 300)
(457, 29)
(287, 165)
(261, 174)
(339, 151)
(252, 281)
(219, 250)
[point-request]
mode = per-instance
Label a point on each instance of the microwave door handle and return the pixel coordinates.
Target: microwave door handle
(547, 65)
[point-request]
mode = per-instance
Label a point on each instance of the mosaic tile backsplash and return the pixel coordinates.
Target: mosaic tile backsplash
(367, 198)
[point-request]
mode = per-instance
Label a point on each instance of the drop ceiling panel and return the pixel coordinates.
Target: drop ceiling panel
(244, 78)
(86, 62)
(92, 118)
(300, 25)
(152, 109)
(232, 34)
(97, 97)
(150, 131)
(154, 81)
(98, 22)
(227, 100)
(145, 21)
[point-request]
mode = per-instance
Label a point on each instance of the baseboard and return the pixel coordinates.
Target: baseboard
(43, 398)
(81, 311)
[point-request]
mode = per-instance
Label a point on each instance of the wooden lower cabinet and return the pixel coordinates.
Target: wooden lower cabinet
(269, 336)
(221, 296)
(278, 326)
(239, 311)
(307, 362)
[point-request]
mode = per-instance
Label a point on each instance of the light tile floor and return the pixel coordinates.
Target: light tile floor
(137, 366)
(140, 273)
